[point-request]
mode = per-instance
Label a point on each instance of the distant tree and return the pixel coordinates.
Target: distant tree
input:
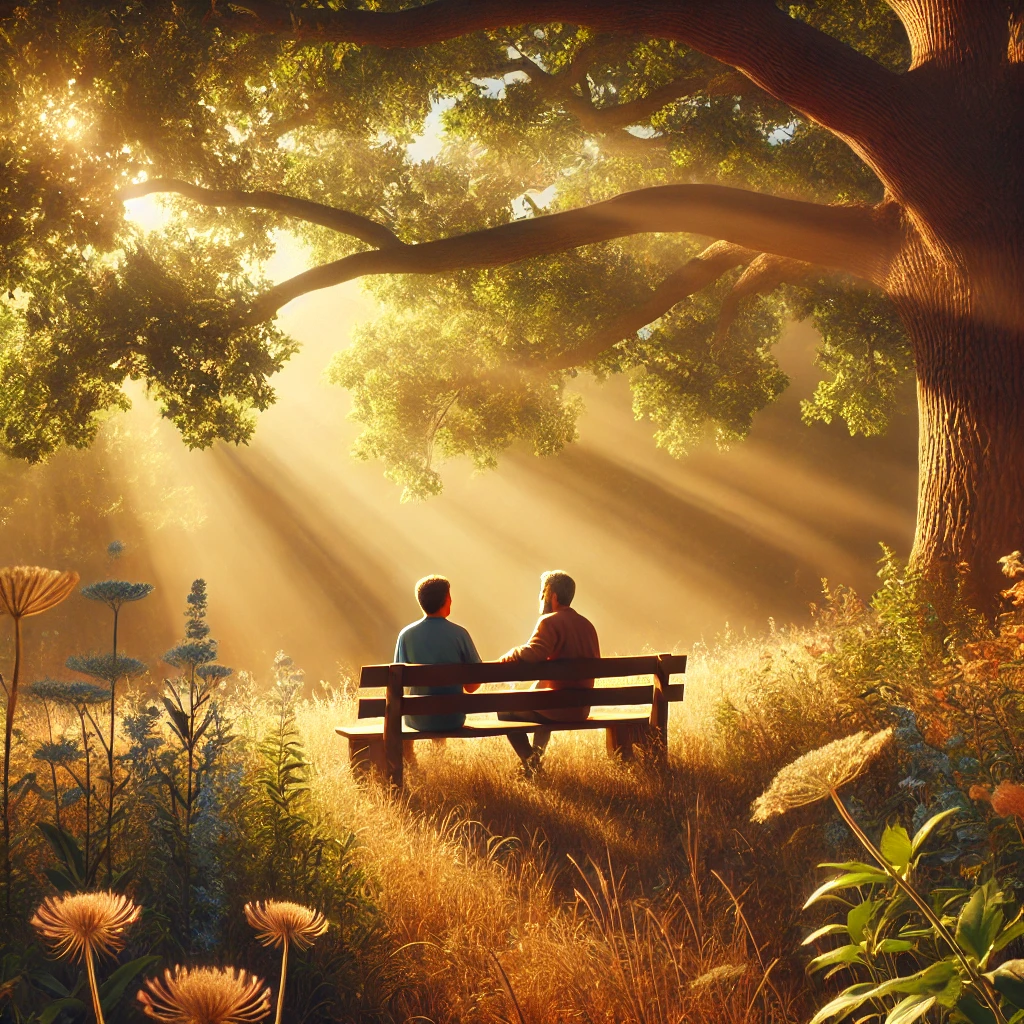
(881, 139)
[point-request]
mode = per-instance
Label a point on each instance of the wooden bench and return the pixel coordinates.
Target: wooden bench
(379, 744)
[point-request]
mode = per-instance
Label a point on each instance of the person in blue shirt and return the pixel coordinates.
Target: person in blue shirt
(435, 640)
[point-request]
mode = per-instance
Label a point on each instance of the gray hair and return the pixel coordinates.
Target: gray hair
(561, 584)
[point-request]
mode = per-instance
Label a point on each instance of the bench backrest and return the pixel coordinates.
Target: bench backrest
(396, 677)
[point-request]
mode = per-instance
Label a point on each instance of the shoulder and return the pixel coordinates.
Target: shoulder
(410, 628)
(460, 630)
(582, 619)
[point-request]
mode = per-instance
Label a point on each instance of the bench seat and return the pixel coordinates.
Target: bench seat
(623, 731)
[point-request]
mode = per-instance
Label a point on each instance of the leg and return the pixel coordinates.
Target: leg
(619, 740)
(524, 748)
(439, 743)
(540, 742)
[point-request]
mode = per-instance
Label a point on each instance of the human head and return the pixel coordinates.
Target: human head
(433, 593)
(559, 583)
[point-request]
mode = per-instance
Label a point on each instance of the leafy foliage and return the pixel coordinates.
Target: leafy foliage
(461, 365)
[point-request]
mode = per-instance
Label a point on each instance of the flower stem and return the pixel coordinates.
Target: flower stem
(90, 967)
(918, 900)
(284, 978)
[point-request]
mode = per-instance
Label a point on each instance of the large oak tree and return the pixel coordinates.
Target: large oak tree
(854, 161)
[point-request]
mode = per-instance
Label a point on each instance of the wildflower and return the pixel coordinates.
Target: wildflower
(1008, 799)
(206, 995)
(977, 792)
(61, 752)
(721, 975)
(277, 923)
(1012, 564)
(282, 924)
(114, 593)
(819, 773)
(29, 590)
(83, 924)
(106, 666)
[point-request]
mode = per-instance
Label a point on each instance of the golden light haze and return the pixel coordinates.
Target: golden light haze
(306, 549)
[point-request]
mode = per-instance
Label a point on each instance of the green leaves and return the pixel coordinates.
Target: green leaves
(896, 848)
(981, 922)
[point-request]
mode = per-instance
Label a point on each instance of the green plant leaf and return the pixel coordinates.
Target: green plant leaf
(922, 834)
(1008, 934)
(975, 1012)
(845, 1002)
(113, 988)
(1008, 979)
(980, 922)
(67, 850)
(858, 917)
(896, 847)
(53, 1010)
(910, 1009)
(829, 929)
(849, 954)
(847, 881)
(894, 946)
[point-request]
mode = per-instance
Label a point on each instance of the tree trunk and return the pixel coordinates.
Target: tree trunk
(971, 449)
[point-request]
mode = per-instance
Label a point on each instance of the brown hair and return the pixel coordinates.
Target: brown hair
(431, 592)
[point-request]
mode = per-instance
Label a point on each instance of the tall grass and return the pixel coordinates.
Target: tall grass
(598, 890)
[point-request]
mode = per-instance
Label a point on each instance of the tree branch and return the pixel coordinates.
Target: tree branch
(764, 274)
(343, 221)
(815, 74)
(699, 272)
(841, 237)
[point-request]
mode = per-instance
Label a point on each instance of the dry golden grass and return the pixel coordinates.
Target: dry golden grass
(598, 891)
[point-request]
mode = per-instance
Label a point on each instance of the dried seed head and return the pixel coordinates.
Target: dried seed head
(277, 922)
(205, 995)
(815, 775)
(1008, 799)
(724, 974)
(29, 590)
(85, 923)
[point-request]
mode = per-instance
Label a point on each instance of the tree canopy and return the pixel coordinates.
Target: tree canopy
(248, 130)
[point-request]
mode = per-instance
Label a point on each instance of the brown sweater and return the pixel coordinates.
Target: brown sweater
(561, 634)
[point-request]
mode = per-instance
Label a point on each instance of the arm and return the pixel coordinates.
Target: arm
(472, 657)
(539, 647)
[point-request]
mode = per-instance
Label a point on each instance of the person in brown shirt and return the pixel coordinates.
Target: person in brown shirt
(561, 632)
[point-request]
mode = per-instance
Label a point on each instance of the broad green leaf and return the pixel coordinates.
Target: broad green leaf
(849, 954)
(1008, 979)
(979, 923)
(922, 834)
(847, 881)
(113, 988)
(974, 1011)
(858, 917)
(1008, 934)
(895, 847)
(849, 865)
(894, 946)
(844, 1003)
(74, 1007)
(821, 933)
(933, 980)
(906, 1011)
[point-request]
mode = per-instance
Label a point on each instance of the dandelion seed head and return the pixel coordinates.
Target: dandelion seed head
(277, 922)
(817, 773)
(85, 923)
(205, 995)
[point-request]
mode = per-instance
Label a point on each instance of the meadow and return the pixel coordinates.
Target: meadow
(595, 891)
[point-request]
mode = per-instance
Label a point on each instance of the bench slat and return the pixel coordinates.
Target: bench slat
(473, 730)
(521, 671)
(521, 700)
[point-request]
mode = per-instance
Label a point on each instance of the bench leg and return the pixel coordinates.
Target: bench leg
(409, 752)
(366, 753)
(621, 739)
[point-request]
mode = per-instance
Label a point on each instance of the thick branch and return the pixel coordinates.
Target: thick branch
(764, 274)
(343, 221)
(841, 237)
(842, 89)
(698, 273)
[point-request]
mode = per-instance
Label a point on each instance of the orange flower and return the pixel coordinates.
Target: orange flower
(1008, 799)
(205, 995)
(980, 793)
